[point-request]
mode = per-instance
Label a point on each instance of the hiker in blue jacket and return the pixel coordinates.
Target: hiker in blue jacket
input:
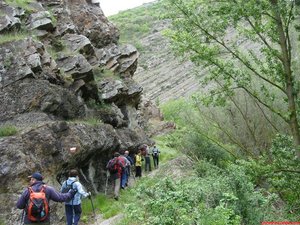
(73, 207)
(36, 183)
(128, 167)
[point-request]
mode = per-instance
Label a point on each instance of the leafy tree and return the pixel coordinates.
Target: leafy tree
(243, 45)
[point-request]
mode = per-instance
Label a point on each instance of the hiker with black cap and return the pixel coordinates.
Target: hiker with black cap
(73, 207)
(35, 200)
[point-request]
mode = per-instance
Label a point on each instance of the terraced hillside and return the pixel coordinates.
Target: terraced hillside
(163, 75)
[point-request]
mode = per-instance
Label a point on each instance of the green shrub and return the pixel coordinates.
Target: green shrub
(167, 153)
(215, 196)
(24, 4)
(7, 130)
(278, 171)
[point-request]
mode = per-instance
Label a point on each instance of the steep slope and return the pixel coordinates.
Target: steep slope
(162, 75)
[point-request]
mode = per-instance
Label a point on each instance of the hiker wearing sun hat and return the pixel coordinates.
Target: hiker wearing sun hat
(35, 200)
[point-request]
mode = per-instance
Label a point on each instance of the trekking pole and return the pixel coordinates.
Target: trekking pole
(90, 197)
(106, 183)
(22, 217)
(132, 174)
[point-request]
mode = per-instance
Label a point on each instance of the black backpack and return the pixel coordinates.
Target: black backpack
(155, 152)
(68, 187)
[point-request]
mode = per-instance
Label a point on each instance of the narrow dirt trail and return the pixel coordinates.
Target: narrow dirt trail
(174, 168)
(99, 220)
(111, 221)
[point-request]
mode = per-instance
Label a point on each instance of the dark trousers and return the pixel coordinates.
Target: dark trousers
(147, 163)
(155, 161)
(138, 171)
(124, 178)
(73, 211)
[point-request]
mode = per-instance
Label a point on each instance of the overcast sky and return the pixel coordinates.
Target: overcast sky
(111, 7)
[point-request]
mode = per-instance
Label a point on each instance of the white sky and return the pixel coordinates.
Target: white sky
(111, 7)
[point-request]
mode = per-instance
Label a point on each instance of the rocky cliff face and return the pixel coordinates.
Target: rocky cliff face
(64, 82)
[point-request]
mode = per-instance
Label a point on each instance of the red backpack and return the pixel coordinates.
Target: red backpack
(115, 164)
(38, 206)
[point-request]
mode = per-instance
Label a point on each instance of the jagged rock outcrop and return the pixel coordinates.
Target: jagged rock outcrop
(55, 90)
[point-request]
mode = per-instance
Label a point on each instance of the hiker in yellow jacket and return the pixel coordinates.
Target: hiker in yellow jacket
(138, 164)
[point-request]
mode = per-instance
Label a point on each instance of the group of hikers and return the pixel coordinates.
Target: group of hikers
(35, 199)
(119, 167)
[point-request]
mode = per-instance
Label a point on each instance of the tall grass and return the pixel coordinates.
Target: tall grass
(7, 130)
(24, 4)
(104, 205)
(15, 36)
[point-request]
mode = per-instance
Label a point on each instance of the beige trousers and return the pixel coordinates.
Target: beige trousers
(117, 184)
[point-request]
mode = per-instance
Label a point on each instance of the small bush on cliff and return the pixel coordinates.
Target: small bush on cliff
(7, 130)
(4, 38)
(24, 4)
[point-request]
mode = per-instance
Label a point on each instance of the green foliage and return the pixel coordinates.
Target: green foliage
(102, 204)
(57, 44)
(2, 221)
(8, 130)
(278, 170)
(8, 61)
(220, 196)
(211, 195)
(136, 23)
(101, 106)
(102, 73)
(191, 136)
(24, 4)
(214, 35)
(139, 46)
(167, 153)
(9, 37)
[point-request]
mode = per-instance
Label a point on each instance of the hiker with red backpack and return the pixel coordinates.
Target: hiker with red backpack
(115, 167)
(35, 200)
(73, 207)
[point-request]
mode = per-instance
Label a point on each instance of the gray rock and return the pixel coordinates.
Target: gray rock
(46, 91)
(119, 91)
(91, 22)
(78, 43)
(77, 66)
(122, 61)
(41, 20)
(9, 23)
(31, 95)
